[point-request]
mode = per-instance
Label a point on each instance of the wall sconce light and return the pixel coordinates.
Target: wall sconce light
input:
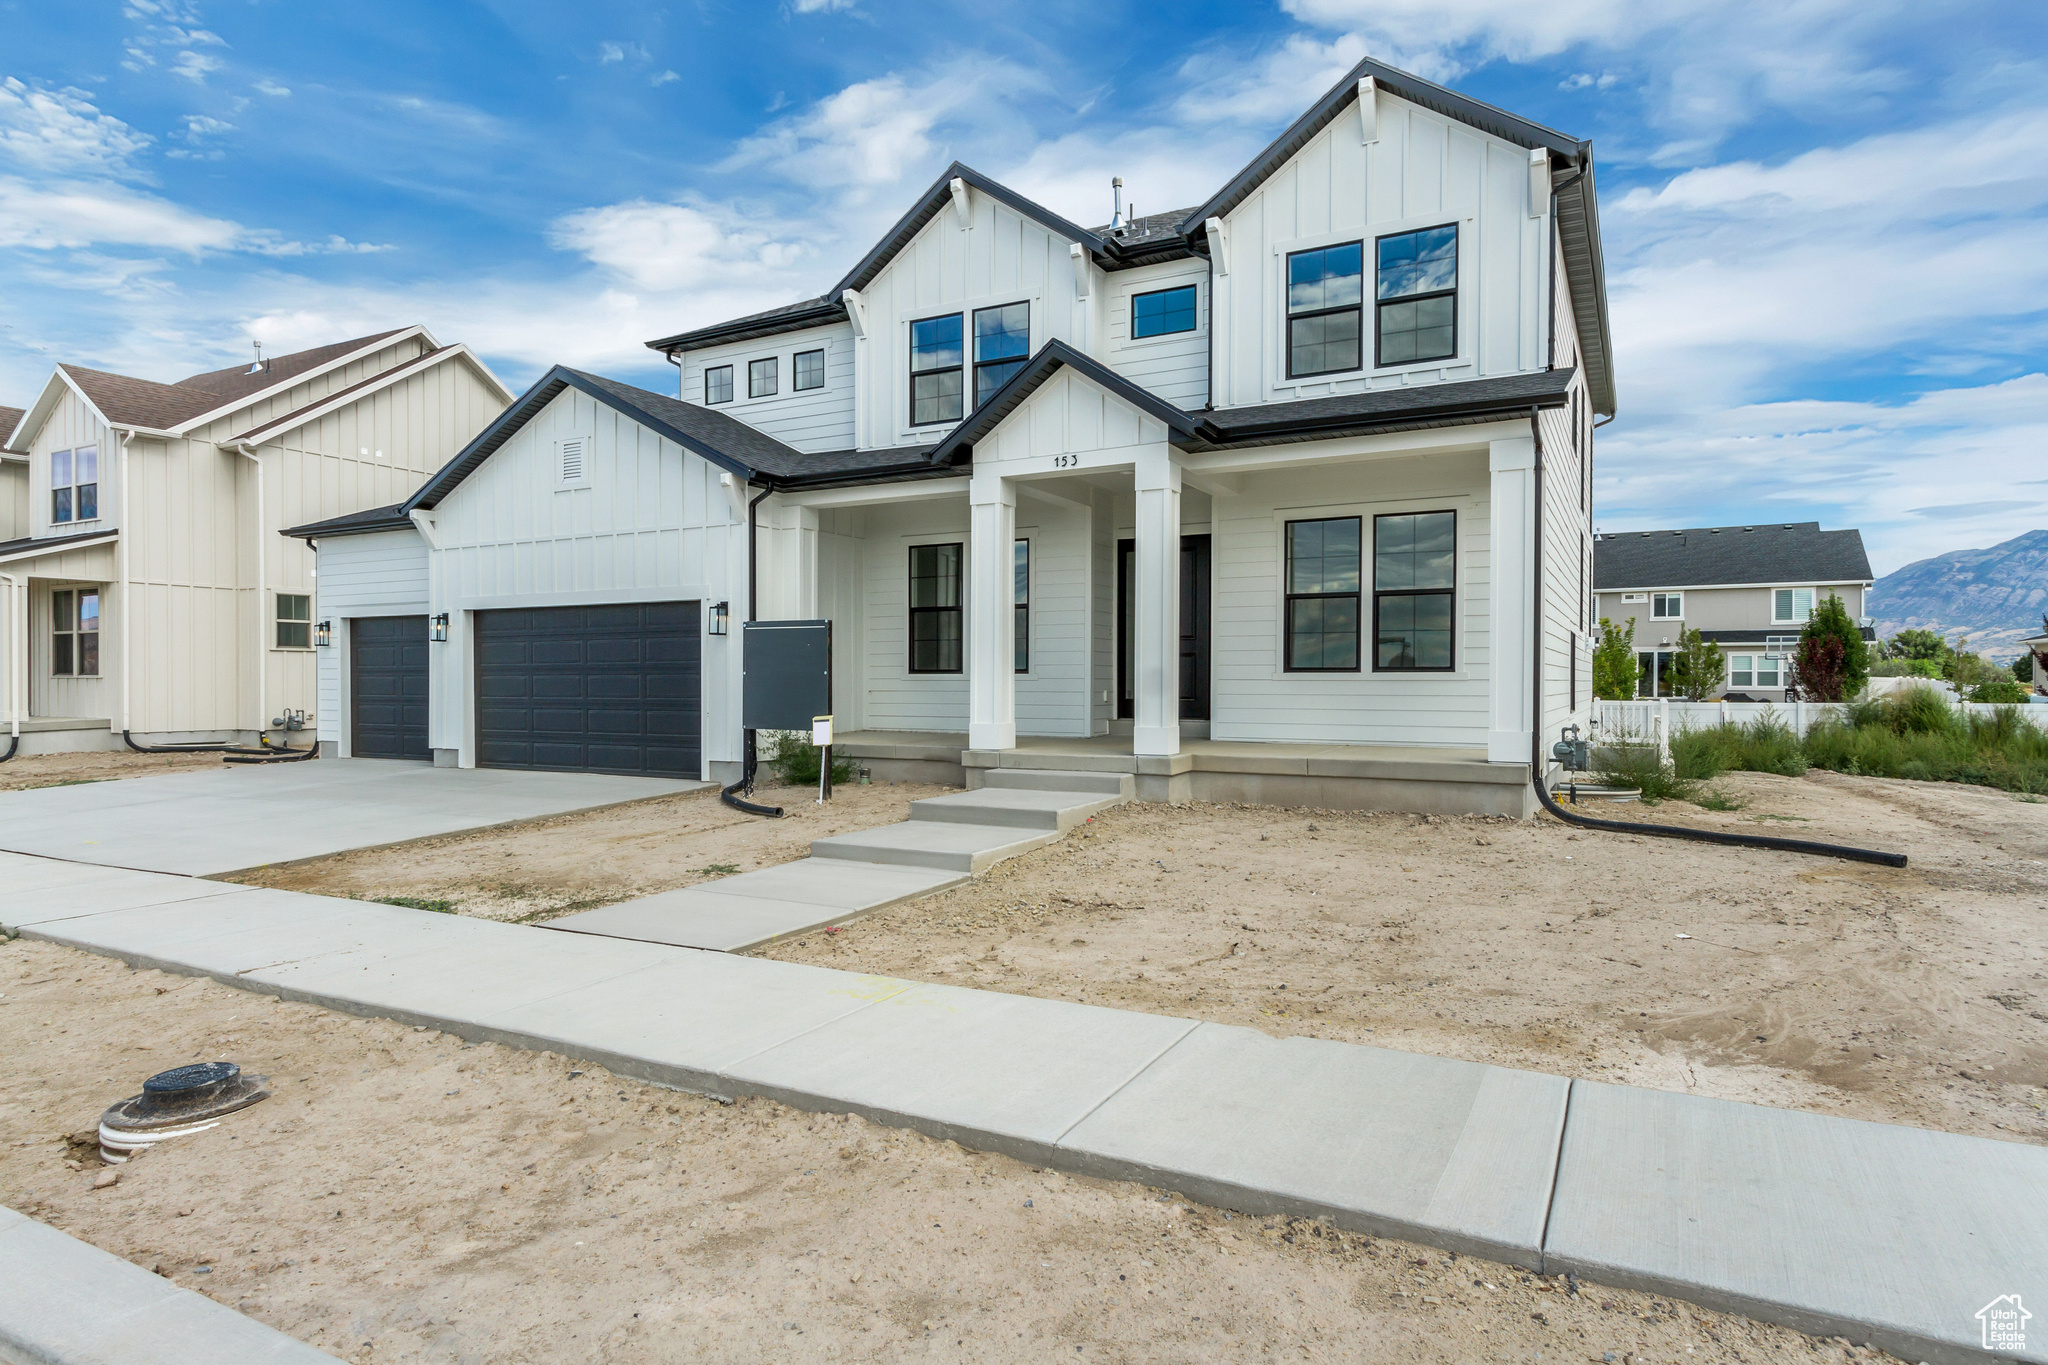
(323, 634)
(721, 618)
(437, 631)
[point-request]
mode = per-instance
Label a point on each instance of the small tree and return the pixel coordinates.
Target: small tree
(1615, 670)
(1696, 669)
(1918, 644)
(1833, 663)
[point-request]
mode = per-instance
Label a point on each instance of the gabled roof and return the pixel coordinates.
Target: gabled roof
(1713, 556)
(363, 388)
(1184, 428)
(10, 418)
(237, 381)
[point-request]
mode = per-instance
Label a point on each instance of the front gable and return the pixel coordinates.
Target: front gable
(1072, 418)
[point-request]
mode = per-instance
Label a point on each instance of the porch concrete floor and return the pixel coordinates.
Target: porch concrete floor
(949, 744)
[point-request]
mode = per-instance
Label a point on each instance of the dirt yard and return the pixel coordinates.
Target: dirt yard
(64, 770)
(404, 1196)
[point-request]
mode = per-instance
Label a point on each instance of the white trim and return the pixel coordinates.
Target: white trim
(269, 431)
(397, 338)
(1724, 587)
(1466, 356)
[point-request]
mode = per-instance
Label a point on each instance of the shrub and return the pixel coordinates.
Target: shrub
(1919, 711)
(2003, 691)
(1615, 670)
(1764, 745)
(1642, 767)
(796, 760)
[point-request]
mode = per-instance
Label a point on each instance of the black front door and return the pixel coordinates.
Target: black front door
(1194, 626)
(387, 664)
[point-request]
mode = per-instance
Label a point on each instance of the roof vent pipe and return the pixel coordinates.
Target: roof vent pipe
(1116, 193)
(256, 366)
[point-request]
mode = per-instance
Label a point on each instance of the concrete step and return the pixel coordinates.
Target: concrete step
(1054, 780)
(932, 843)
(1054, 810)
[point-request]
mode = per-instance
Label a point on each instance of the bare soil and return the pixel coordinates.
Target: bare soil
(406, 1196)
(64, 770)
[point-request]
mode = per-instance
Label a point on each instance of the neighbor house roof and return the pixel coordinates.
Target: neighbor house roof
(392, 518)
(1715, 556)
(362, 388)
(10, 418)
(1758, 635)
(29, 546)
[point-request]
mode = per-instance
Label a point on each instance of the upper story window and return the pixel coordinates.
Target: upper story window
(1667, 606)
(1414, 573)
(1791, 604)
(75, 633)
(75, 484)
(1002, 343)
(807, 370)
(1163, 312)
(1325, 303)
(718, 384)
(1418, 295)
(935, 381)
(761, 378)
(1322, 595)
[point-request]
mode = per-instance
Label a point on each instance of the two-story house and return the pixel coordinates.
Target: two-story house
(144, 589)
(1242, 499)
(1748, 589)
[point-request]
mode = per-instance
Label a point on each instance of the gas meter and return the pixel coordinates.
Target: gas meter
(1573, 754)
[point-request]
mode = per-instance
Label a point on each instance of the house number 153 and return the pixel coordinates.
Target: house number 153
(1065, 461)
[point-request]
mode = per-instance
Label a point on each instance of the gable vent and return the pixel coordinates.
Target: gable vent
(572, 452)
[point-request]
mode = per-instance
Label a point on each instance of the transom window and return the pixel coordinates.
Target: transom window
(1163, 312)
(1325, 302)
(935, 636)
(75, 633)
(1023, 606)
(718, 384)
(1418, 295)
(1791, 604)
(1322, 595)
(1414, 573)
(1002, 343)
(935, 380)
(761, 378)
(1667, 606)
(294, 621)
(807, 370)
(75, 484)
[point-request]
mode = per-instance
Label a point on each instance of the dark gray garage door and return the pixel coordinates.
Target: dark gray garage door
(590, 689)
(388, 686)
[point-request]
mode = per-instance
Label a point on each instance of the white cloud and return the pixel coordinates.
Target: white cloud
(820, 6)
(195, 66)
(273, 89)
(665, 78)
(670, 247)
(56, 215)
(61, 130)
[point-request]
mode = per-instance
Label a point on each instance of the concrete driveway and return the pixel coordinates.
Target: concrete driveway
(227, 820)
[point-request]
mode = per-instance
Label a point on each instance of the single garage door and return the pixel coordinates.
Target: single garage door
(387, 661)
(614, 689)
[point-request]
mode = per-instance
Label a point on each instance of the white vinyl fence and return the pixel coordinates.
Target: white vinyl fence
(1654, 721)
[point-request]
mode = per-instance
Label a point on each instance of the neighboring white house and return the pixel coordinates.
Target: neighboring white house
(177, 613)
(1747, 589)
(1241, 499)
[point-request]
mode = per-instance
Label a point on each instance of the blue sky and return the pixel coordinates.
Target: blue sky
(1826, 221)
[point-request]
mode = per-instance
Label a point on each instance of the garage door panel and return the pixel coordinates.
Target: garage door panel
(607, 689)
(388, 687)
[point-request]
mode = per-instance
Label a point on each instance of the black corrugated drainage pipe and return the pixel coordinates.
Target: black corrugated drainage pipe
(1537, 758)
(282, 754)
(730, 795)
(173, 748)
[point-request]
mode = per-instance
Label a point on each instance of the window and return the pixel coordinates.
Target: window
(1325, 296)
(1414, 557)
(807, 370)
(1741, 670)
(1756, 670)
(1162, 312)
(75, 484)
(935, 608)
(569, 459)
(75, 633)
(1023, 606)
(1418, 296)
(1322, 595)
(1002, 343)
(761, 378)
(294, 621)
(1792, 604)
(718, 384)
(1770, 671)
(1667, 606)
(1653, 675)
(935, 370)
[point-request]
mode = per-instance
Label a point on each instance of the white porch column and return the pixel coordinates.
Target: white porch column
(991, 612)
(1155, 634)
(1509, 638)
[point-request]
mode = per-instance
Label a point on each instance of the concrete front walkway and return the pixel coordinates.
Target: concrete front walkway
(1884, 1234)
(213, 822)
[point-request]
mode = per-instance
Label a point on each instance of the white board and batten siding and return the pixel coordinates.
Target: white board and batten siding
(380, 574)
(809, 420)
(1071, 416)
(1174, 366)
(646, 521)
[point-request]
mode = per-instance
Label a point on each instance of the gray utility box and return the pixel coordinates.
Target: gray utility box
(787, 674)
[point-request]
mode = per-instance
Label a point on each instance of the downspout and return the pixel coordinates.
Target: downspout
(16, 680)
(127, 657)
(749, 757)
(1537, 757)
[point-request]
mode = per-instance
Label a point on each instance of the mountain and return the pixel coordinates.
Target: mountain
(1994, 596)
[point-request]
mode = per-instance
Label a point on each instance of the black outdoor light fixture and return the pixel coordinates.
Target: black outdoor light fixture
(323, 634)
(437, 631)
(721, 617)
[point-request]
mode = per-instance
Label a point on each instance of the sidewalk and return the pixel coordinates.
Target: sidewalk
(1882, 1234)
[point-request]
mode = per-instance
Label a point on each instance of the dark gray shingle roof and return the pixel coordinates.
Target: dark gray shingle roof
(1703, 556)
(392, 518)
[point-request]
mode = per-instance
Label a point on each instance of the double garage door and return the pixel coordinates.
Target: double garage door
(614, 689)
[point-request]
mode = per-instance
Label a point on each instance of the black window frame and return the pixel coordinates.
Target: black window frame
(1290, 317)
(754, 373)
(68, 642)
(1451, 659)
(1289, 597)
(1012, 363)
(959, 367)
(1194, 313)
(279, 620)
(796, 370)
(1379, 305)
(957, 610)
(710, 370)
(1020, 571)
(70, 496)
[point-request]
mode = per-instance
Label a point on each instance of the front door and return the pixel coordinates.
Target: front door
(1194, 627)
